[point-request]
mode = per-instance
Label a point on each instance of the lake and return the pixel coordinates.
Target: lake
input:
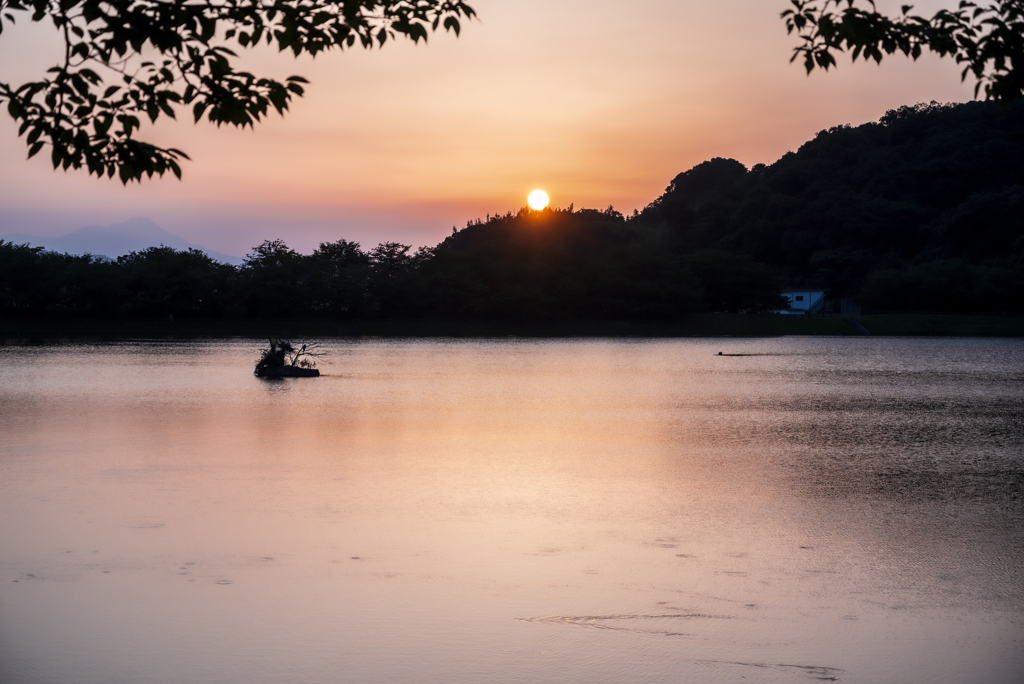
(444, 511)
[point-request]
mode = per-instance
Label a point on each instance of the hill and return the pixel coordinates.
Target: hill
(922, 210)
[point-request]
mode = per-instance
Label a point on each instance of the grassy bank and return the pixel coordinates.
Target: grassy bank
(701, 325)
(945, 325)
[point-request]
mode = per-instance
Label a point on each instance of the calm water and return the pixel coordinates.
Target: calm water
(514, 511)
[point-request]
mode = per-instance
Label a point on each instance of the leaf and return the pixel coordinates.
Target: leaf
(209, 28)
(102, 125)
(34, 150)
(79, 84)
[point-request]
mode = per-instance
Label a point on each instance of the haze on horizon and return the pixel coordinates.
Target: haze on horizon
(596, 102)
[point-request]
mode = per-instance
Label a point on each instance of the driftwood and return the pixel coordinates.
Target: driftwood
(287, 372)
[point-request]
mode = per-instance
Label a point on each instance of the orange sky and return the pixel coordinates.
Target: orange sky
(597, 102)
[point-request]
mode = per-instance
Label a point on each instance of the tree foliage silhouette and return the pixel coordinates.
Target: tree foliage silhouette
(128, 59)
(988, 40)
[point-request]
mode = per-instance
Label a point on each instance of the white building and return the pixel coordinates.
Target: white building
(804, 301)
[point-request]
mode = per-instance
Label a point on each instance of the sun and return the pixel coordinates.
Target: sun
(538, 199)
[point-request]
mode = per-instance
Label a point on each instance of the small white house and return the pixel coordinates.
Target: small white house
(804, 301)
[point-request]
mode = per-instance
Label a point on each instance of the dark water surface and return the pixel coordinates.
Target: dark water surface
(514, 511)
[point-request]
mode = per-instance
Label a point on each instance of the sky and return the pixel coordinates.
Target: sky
(598, 102)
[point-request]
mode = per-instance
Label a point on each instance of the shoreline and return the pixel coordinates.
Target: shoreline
(17, 332)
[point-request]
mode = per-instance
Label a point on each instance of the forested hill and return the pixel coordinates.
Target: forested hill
(922, 210)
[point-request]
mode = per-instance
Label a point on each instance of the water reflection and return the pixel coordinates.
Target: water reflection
(511, 510)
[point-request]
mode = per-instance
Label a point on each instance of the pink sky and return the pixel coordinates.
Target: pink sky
(597, 102)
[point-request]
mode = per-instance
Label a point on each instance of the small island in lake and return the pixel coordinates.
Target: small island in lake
(283, 360)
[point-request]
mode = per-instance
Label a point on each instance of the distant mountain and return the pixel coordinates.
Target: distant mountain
(134, 235)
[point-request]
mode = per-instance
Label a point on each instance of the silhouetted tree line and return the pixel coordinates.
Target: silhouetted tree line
(529, 265)
(921, 211)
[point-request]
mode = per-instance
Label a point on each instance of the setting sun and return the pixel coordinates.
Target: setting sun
(538, 199)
